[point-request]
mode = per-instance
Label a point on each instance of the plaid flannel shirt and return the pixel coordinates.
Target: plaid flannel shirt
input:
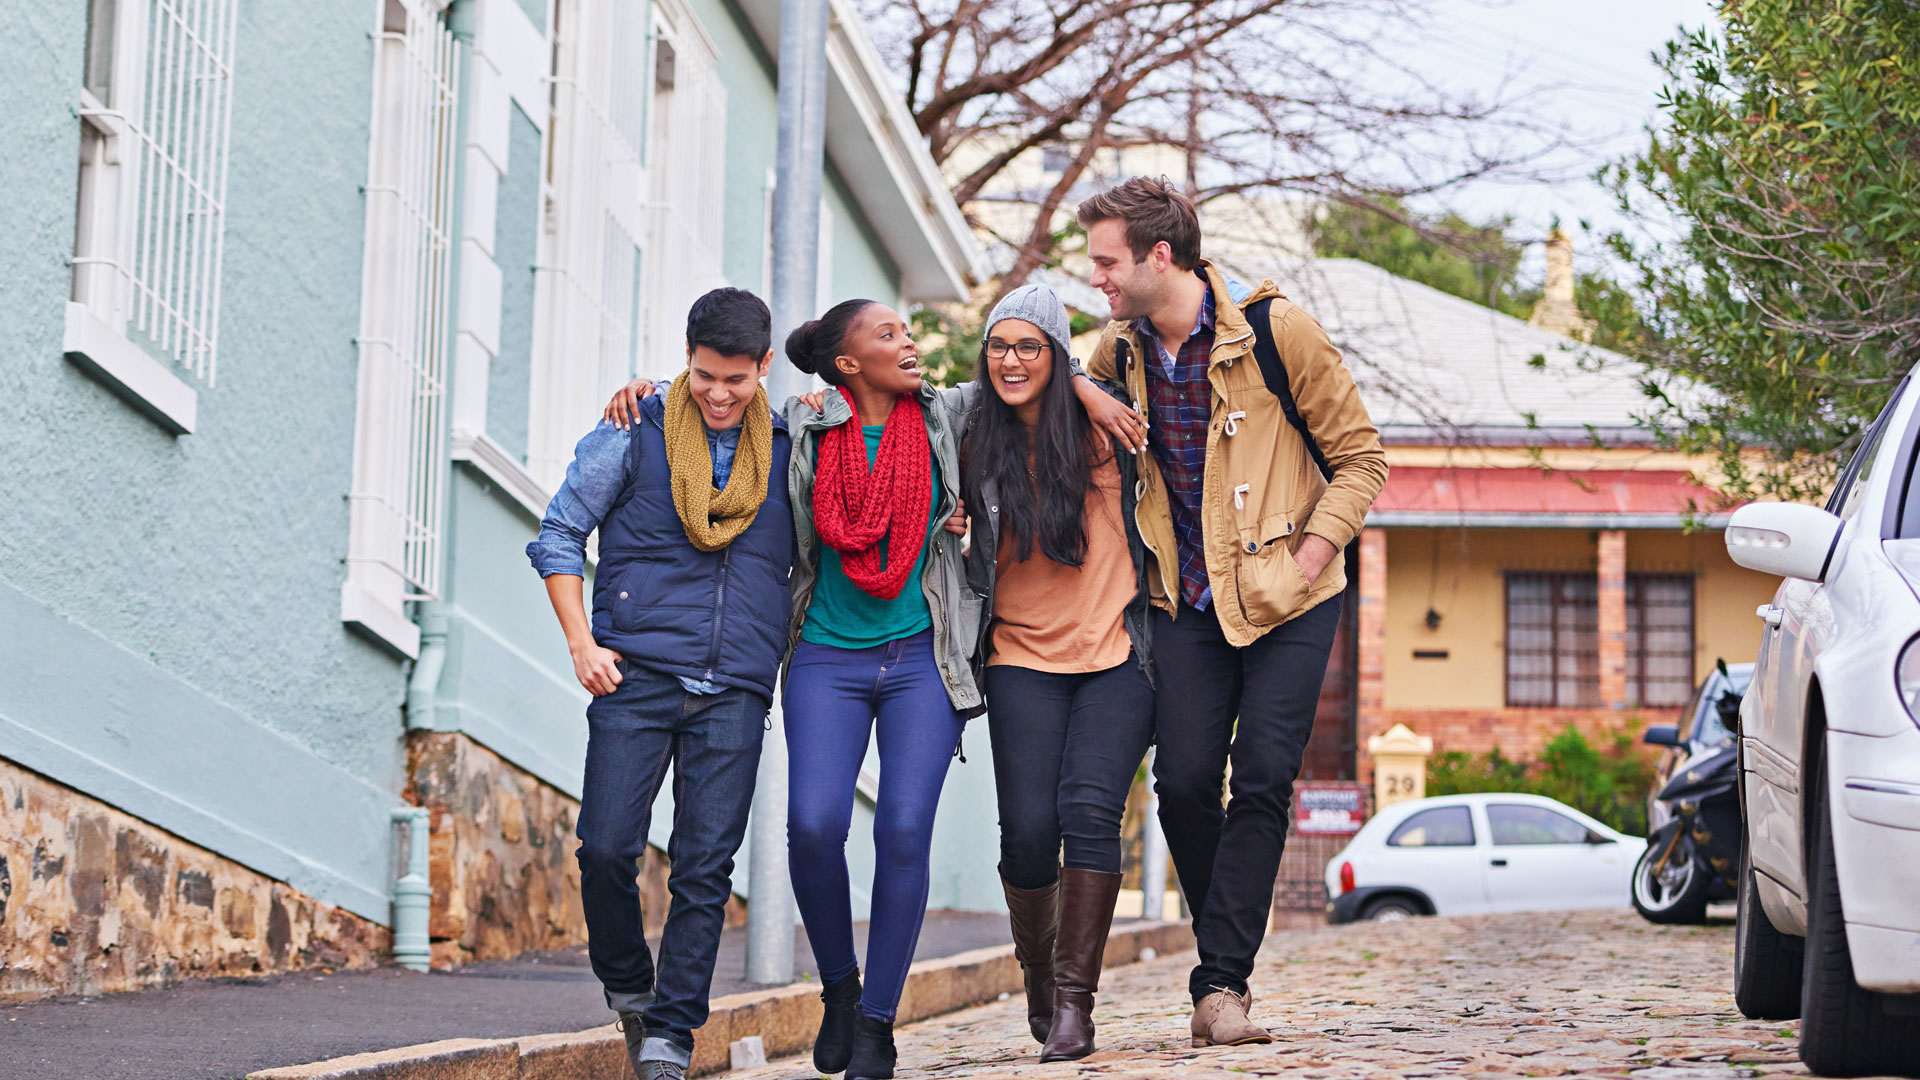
(1180, 398)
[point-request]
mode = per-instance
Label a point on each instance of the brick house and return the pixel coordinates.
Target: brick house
(1528, 565)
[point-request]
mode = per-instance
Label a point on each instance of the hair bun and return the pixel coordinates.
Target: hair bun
(800, 345)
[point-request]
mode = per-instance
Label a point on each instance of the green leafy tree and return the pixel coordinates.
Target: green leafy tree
(1788, 158)
(1447, 252)
(1608, 782)
(1477, 262)
(949, 339)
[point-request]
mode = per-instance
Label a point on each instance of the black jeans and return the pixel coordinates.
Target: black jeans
(713, 743)
(1271, 688)
(1066, 748)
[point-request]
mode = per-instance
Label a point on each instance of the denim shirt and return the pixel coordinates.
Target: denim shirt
(595, 478)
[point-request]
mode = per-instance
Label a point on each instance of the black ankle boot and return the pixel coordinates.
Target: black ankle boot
(834, 1045)
(873, 1052)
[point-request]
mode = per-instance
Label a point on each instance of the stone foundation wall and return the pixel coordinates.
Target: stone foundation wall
(93, 900)
(505, 879)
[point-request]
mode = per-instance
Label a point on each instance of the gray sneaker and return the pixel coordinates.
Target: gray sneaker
(659, 1070)
(635, 1029)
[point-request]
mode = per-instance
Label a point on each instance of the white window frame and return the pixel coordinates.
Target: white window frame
(397, 503)
(587, 284)
(150, 224)
(686, 219)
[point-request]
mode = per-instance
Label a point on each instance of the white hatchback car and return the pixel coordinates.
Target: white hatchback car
(1471, 854)
(1829, 923)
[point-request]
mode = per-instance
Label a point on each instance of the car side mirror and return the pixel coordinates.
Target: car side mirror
(1596, 838)
(1784, 539)
(1662, 735)
(1729, 709)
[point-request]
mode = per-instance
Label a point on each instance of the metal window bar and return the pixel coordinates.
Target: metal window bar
(587, 274)
(1552, 640)
(1660, 640)
(159, 227)
(400, 429)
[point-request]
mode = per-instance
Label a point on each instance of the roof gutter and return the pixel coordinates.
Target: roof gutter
(1494, 435)
(1449, 519)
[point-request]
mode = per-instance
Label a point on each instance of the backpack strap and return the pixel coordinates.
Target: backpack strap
(1275, 374)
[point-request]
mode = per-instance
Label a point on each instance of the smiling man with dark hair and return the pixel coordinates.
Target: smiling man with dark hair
(680, 656)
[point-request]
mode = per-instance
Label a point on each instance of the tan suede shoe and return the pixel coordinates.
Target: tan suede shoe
(1220, 1019)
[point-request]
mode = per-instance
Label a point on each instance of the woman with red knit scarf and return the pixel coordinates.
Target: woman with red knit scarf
(884, 625)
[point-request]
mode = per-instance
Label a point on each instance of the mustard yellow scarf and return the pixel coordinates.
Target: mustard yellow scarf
(712, 517)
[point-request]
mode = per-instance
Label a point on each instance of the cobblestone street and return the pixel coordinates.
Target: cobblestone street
(1557, 994)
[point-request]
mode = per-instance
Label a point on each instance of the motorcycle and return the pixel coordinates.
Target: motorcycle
(1694, 858)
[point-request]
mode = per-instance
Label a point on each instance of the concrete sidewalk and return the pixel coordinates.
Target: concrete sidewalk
(217, 1029)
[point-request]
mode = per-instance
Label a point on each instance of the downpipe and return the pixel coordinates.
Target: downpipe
(413, 894)
(423, 686)
(413, 889)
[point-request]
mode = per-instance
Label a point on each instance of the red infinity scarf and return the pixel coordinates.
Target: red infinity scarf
(856, 511)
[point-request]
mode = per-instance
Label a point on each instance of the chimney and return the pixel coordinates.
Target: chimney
(1557, 311)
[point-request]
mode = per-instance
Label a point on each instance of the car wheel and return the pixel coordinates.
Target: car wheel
(1390, 909)
(1844, 1030)
(1675, 892)
(1766, 963)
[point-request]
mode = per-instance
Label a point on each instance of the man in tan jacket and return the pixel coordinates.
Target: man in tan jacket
(1249, 494)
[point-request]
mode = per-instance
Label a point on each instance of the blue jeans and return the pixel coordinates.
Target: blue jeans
(713, 743)
(834, 698)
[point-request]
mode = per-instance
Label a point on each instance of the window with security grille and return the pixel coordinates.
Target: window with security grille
(1553, 640)
(399, 439)
(632, 217)
(1659, 639)
(155, 105)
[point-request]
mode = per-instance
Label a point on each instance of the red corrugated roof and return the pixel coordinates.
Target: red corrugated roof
(1520, 491)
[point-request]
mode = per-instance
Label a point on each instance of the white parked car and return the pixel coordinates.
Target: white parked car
(1471, 854)
(1829, 923)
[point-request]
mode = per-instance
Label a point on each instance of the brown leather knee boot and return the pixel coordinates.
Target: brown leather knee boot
(1086, 915)
(1035, 914)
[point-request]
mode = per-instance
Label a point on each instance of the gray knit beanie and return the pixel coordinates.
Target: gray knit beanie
(1038, 305)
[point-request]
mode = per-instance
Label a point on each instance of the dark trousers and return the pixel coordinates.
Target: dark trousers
(1066, 748)
(713, 744)
(835, 700)
(1271, 688)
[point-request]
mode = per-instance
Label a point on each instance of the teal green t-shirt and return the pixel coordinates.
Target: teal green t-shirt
(842, 615)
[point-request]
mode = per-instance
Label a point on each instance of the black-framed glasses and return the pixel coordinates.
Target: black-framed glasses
(1025, 350)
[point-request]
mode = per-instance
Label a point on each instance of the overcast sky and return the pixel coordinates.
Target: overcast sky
(1595, 57)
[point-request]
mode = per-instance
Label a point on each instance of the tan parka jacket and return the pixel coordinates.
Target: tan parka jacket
(1262, 493)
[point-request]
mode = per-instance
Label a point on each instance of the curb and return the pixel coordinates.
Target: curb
(783, 1017)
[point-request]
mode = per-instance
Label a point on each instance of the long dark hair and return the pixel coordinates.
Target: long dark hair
(814, 344)
(1049, 504)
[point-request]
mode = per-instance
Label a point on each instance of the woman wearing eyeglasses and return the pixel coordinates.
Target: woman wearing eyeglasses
(1064, 654)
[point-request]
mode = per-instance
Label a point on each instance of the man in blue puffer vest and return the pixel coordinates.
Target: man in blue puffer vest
(690, 607)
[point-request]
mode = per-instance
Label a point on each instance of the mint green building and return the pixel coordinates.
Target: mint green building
(307, 305)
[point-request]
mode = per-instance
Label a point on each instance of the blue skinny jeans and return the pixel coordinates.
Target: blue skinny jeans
(834, 699)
